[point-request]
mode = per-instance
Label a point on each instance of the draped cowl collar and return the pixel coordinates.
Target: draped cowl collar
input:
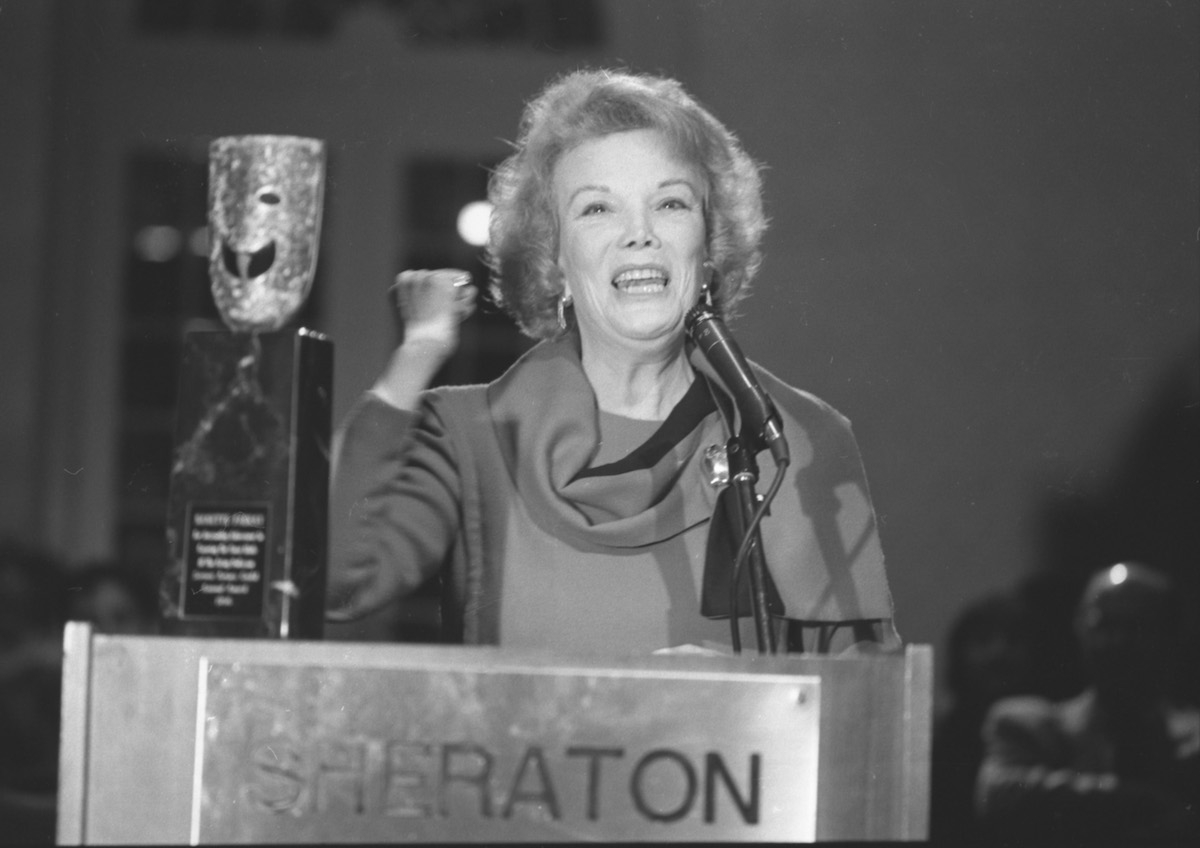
(823, 549)
(546, 421)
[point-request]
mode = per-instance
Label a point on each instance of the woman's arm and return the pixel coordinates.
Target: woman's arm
(394, 498)
(394, 506)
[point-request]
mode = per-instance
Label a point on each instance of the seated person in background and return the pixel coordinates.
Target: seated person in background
(987, 658)
(31, 621)
(566, 505)
(115, 598)
(1118, 762)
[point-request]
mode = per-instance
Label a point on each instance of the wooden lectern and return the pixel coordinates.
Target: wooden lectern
(189, 740)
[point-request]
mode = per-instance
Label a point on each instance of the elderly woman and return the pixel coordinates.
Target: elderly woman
(566, 505)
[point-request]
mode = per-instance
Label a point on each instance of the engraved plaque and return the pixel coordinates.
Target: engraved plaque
(289, 753)
(226, 549)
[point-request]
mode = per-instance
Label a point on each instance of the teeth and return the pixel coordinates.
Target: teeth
(629, 280)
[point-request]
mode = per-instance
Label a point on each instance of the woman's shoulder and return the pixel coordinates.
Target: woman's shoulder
(454, 402)
(809, 410)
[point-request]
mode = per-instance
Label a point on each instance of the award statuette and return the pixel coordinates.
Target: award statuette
(248, 505)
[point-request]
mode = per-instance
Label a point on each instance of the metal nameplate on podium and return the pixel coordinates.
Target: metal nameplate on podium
(289, 753)
(288, 741)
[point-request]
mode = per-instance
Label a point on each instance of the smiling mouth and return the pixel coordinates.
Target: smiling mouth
(248, 265)
(641, 281)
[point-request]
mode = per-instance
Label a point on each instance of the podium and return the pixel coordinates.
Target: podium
(182, 740)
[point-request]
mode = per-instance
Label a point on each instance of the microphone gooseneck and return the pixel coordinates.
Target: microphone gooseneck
(761, 427)
(755, 406)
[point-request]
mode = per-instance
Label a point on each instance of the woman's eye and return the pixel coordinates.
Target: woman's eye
(593, 208)
(675, 203)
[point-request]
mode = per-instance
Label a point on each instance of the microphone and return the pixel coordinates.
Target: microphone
(758, 412)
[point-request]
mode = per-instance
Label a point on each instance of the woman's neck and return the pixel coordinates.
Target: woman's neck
(643, 384)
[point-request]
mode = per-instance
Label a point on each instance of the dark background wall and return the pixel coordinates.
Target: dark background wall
(983, 249)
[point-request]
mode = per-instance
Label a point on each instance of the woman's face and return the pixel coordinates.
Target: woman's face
(631, 237)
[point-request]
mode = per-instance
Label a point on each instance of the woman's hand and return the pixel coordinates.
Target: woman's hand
(431, 304)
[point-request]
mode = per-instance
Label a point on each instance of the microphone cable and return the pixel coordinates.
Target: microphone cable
(744, 551)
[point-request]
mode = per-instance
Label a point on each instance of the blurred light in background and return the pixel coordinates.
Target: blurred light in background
(157, 243)
(473, 222)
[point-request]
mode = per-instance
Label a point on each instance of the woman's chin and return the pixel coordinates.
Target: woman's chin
(664, 329)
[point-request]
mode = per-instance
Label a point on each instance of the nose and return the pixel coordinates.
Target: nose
(639, 231)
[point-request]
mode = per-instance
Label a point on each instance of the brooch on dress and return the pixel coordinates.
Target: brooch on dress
(716, 466)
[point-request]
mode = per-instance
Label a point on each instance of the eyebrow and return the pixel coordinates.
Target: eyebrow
(584, 188)
(605, 189)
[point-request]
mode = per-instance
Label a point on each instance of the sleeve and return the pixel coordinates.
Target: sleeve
(394, 505)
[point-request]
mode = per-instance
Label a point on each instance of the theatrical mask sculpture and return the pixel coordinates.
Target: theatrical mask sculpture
(265, 200)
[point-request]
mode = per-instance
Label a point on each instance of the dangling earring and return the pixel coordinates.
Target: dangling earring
(710, 276)
(563, 302)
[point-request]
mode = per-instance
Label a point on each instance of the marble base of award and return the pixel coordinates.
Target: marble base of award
(247, 511)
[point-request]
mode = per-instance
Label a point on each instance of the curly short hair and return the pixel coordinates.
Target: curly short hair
(584, 105)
